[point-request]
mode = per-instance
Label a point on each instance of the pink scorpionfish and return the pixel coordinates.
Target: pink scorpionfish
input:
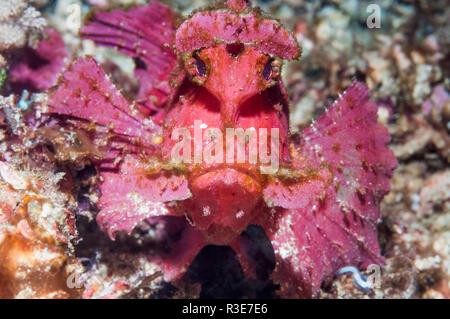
(220, 68)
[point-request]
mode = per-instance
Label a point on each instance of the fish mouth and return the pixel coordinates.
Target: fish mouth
(223, 198)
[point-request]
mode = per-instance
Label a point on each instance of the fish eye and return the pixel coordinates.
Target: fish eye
(272, 69)
(268, 70)
(200, 66)
(196, 68)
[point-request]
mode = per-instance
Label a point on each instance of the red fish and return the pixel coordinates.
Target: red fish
(220, 69)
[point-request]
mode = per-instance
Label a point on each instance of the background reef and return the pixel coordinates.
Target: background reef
(50, 245)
